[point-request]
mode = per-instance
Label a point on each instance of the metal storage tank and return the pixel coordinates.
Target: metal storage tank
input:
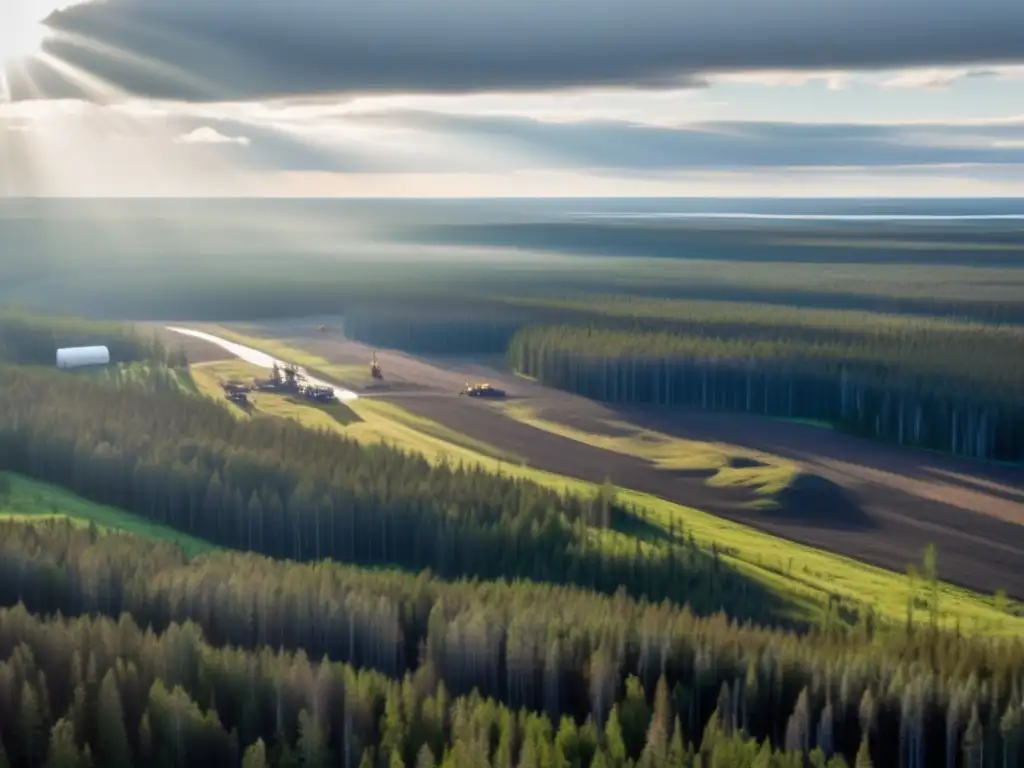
(80, 357)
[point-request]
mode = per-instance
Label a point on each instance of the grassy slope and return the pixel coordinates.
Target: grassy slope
(136, 373)
(30, 500)
(368, 421)
(804, 575)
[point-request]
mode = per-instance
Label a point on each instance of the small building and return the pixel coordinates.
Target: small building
(82, 357)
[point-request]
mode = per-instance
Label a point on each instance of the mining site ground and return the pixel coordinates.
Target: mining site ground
(869, 501)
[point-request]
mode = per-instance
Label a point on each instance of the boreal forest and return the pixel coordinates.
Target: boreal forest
(360, 604)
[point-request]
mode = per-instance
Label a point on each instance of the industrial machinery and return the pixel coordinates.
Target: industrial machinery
(375, 370)
(236, 392)
(289, 380)
(323, 395)
(285, 379)
(482, 389)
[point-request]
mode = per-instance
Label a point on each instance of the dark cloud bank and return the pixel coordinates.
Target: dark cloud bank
(242, 49)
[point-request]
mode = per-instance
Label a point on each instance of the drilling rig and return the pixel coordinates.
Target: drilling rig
(375, 370)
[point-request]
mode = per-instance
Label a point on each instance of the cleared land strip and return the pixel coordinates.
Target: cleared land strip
(874, 522)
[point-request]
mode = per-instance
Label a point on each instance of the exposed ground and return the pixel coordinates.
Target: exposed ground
(873, 502)
(196, 350)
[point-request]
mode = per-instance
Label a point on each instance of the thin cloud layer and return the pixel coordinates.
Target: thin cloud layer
(427, 142)
(241, 49)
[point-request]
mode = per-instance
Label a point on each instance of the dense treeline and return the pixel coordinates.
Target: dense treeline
(984, 356)
(877, 242)
(34, 340)
(94, 692)
(501, 638)
(637, 682)
(976, 411)
(175, 259)
(273, 487)
(942, 384)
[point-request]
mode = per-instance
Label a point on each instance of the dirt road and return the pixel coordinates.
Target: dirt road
(870, 501)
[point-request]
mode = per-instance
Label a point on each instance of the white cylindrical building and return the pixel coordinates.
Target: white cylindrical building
(80, 357)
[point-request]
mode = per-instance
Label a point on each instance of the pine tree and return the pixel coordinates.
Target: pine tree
(255, 755)
(145, 740)
(677, 747)
(634, 716)
(33, 744)
(112, 747)
(764, 756)
(1011, 726)
(973, 742)
(63, 752)
(311, 746)
(864, 754)
(613, 739)
(425, 758)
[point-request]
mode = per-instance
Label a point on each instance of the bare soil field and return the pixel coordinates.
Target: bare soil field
(873, 502)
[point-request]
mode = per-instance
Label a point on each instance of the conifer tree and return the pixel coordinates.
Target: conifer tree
(33, 739)
(255, 755)
(63, 752)
(864, 754)
(112, 748)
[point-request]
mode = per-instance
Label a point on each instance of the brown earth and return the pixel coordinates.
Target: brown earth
(870, 501)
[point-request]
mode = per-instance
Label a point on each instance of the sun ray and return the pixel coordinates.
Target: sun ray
(94, 87)
(170, 72)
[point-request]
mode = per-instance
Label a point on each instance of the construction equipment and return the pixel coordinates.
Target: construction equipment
(482, 389)
(324, 395)
(287, 379)
(375, 370)
(236, 392)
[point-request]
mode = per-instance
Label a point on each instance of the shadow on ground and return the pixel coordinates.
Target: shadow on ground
(815, 500)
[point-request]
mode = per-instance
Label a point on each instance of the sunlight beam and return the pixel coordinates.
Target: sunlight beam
(169, 72)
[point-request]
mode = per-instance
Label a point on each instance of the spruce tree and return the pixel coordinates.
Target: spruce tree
(112, 748)
(864, 754)
(255, 755)
(63, 752)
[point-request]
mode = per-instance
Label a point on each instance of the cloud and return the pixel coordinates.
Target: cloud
(517, 143)
(240, 49)
(943, 78)
(207, 135)
(401, 140)
(778, 78)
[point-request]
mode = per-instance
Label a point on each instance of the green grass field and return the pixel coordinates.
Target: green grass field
(364, 420)
(806, 577)
(29, 500)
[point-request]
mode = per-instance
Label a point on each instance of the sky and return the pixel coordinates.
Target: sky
(466, 98)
